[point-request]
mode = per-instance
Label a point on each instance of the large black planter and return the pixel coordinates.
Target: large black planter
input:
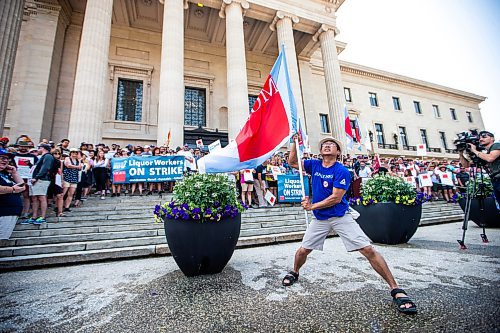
(389, 223)
(202, 248)
(491, 214)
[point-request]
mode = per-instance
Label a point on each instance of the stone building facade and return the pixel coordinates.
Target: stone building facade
(132, 71)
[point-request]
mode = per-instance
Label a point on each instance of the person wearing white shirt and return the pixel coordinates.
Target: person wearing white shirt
(189, 163)
(364, 170)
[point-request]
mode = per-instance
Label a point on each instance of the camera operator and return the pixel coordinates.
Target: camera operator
(487, 141)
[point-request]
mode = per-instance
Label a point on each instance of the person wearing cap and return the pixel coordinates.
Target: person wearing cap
(4, 142)
(446, 190)
(24, 162)
(11, 187)
(40, 184)
(330, 181)
(491, 157)
(147, 151)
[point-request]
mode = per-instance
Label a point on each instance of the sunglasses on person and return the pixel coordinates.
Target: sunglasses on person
(484, 136)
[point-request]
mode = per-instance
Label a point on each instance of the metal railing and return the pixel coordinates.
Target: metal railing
(451, 151)
(433, 150)
(412, 148)
(387, 146)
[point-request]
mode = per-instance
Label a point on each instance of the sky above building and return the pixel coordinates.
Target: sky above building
(455, 43)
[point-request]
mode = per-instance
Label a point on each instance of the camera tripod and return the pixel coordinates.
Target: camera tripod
(474, 190)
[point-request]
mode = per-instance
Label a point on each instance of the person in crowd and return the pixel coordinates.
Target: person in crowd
(83, 178)
(188, 158)
(260, 184)
(436, 187)
(330, 180)
(364, 170)
(25, 161)
(84, 148)
(446, 190)
(246, 181)
(462, 179)
(147, 151)
(11, 187)
(155, 187)
(4, 142)
(117, 188)
(137, 152)
(40, 184)
(55, 190)
(101, 164)
(65, 146)
(272, 183)
(71, 168)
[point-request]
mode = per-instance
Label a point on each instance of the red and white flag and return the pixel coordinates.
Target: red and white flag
(269, 126)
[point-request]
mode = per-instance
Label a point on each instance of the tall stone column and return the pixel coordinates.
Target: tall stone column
(11, 16)
(91, 79)
(237, 87)
(171, 98)
(283, 25)
(334, 90)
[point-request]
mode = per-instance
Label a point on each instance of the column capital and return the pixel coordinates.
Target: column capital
(325, 28)
(186, 3)
(225, 3)
(280, 15)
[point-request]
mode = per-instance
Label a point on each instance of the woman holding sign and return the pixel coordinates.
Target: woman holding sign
(246, 181)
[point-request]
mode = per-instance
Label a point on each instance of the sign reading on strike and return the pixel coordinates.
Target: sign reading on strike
(289, 188)
(151, 169)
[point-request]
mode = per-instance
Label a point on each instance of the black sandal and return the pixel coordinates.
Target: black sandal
(401, 302)
(292, 277)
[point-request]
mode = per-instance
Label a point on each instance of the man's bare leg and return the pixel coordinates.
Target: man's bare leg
(300, 259)
(380, 266)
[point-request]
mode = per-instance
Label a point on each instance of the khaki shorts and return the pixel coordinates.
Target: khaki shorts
(66, 184)
(246, 187)
(349, 231)
(40, 187)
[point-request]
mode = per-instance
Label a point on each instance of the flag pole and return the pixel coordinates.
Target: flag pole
(301, 177)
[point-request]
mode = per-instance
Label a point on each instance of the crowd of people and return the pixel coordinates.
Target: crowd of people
(60, 176)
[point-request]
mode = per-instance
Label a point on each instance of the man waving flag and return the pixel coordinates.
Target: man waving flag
(272, 120)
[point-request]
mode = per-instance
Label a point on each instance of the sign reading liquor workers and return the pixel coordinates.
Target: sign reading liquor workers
(152, 169)
(289, 189)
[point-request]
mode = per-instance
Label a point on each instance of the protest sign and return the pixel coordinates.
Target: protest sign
(421, 149)
(214, 146)
(270, 198)
(199, 143)
(446, 179)
(411, 180)
(425, 180)
(25, 166)
(136, 169)
(289, 188)
(248, 176)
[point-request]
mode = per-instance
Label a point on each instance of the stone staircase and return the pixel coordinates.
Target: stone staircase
(124, 228)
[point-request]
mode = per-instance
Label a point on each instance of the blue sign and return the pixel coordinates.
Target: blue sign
(289, 188)
(151, 169)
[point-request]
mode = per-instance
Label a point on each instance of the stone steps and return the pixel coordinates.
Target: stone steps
(124, 227)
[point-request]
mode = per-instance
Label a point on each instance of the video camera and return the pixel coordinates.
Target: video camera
(462, 141)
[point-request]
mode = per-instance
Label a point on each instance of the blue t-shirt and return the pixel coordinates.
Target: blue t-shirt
(323, 182)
